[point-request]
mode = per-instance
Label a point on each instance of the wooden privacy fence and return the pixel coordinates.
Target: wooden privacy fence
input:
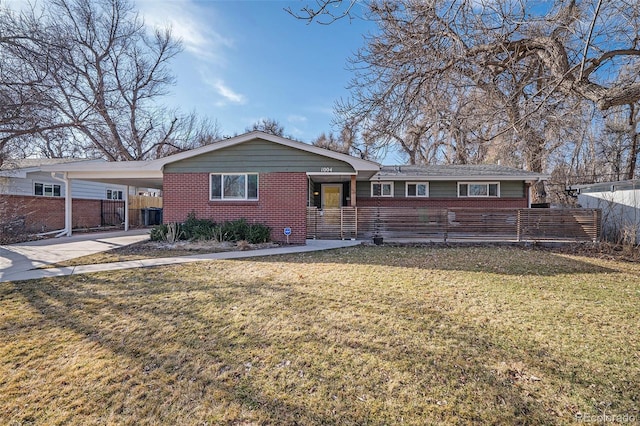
(455, 223)
(139, 202)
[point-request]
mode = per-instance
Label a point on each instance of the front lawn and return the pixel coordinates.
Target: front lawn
(365, 335)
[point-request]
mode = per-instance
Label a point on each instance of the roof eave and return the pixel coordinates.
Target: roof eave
(357, 163)
(462, 178)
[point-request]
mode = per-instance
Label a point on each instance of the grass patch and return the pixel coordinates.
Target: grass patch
(364, 335)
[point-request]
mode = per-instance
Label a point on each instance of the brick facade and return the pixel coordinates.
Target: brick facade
(479, 202)
(31, 214)
(282, 202)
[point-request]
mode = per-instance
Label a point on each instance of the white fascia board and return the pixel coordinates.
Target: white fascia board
(16, 173)
(414, 178)
(311, 174)
(357, 163)
(115, 174)
(102, 166)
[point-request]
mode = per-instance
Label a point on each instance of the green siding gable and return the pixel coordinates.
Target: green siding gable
(444, 189)
(258, 156)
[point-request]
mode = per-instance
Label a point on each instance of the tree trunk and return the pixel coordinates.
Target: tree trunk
(633, 152)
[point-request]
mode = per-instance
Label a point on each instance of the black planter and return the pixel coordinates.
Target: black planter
(377, 241)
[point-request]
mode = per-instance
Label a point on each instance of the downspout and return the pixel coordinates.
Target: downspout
(68, 211)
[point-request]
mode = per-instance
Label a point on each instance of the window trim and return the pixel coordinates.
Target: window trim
(406, 189)
(390, 183)
(53, 189)
(246, 187)
(480, 183)
(117, 191)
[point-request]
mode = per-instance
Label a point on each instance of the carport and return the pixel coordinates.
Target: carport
(143, 174)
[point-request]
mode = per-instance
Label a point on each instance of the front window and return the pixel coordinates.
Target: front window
(234, 186)
(417, 189)
(382, 189)
(476, 189)
(47, 189)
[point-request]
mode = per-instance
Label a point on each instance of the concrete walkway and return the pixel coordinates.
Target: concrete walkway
(19, 261)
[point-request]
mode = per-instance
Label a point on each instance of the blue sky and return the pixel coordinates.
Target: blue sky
(248, 60)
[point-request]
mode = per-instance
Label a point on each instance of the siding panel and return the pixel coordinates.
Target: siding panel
(258, 156)
(79, 188)
(512, 189)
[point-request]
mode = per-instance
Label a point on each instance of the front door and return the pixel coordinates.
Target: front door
(331, 196)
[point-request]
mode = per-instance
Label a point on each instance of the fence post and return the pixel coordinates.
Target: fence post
(519, 224)
(356, 224)
(342, 223)
(446, 225)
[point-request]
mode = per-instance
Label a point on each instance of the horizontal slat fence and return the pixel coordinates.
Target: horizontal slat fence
(454, 224)
(555, 224)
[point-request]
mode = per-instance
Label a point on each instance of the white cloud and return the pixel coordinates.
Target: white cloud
(190, 23)
(228, 94)
(296, 119)
(222, 89)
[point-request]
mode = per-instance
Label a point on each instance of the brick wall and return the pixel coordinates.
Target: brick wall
(494, 203)
(42, 214)
(282, 202)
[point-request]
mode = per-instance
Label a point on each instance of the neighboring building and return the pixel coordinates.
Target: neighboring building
(273, 180)
(25, 177)
(32, 200)
(620, 205)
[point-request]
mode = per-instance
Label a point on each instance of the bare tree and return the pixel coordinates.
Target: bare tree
(472, 38)
(435, 67)
(619, 142)
(324, 11)
(90, 70)
(267, 125)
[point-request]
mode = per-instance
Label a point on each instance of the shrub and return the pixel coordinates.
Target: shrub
(159, 232)
(258, 233)
(198, 229)
(170, 233)
(174, 233)
(235, 230)
(205, 229)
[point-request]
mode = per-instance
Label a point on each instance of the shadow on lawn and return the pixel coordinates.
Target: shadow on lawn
(503, 260)
(211, 342)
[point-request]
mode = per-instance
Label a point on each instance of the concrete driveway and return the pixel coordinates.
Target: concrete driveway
(16, 259)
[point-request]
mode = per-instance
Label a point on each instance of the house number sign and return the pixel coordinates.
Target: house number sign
(326, 169)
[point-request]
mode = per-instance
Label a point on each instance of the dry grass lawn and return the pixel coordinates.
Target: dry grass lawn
(365, 335)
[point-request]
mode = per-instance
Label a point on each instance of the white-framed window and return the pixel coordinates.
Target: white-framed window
(46, 189)
(114, 194)
(417, 189)
(382, 189)
(233, 186)
(478, 189)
